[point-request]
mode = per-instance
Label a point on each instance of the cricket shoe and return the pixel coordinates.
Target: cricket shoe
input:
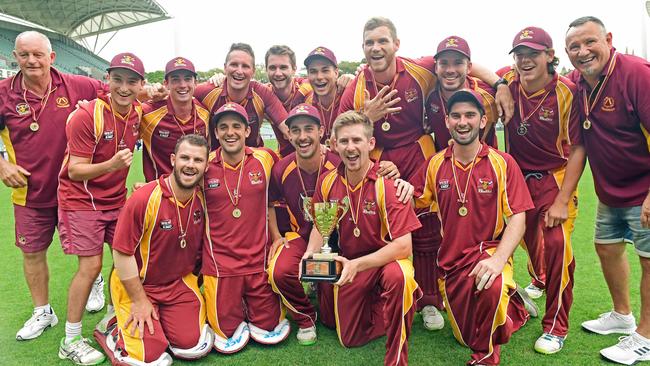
(611, 322)
(34, 327)
(431, 318)
(629, 350)
(96, 298)
(80, 352)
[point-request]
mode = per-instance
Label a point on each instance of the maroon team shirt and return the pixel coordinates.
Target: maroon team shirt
(94, 132)
(540, 139)
(496, 190)
(301, 90)
(40, 152)
(148, 229)
(618, 140)
(414, 82)
(286, 186)
(436, 109)
(327, 116)
(381, 217)
(160, 130)
(259, 102)
(237, 246)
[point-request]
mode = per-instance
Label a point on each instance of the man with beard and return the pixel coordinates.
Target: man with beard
(101, 137)
(544, 138)
(376, 292)
(474, 189)
(157, 298)
(613, 91)
(257, 100)
(240, 301)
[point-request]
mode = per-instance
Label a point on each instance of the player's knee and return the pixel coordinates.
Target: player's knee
(393, 278)
(90, 266)
(194, 347)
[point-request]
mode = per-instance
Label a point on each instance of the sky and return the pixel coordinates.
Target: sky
(202, 31)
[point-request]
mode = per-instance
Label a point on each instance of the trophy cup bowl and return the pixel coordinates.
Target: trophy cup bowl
(322, 266)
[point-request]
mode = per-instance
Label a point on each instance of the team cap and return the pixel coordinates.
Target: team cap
(179, 63)
(321, 52)
(454, 43)
(532, 37)
(128, 61)
(466, 95)
(305, 110)
(230, 107)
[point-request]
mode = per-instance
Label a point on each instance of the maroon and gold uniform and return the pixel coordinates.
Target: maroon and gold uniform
(390, 290)
(619, 111)
(39, 152)
(327, 115)
(495, 191)
(436, 113)
(539, 138)
(234, 264)
(301, 91)
(160, 129)
(287, 181)
(148, 229)
(259, 102)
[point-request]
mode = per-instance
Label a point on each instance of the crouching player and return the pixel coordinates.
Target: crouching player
(375, 243)
(157, 242)
(474, 188)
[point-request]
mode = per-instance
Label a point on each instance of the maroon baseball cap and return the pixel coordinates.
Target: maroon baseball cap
(305, 110)
(230, 107)
(454, 43)
(532, 37)
(321, 52)
(466, 95)
(129, 61)
(179, 63)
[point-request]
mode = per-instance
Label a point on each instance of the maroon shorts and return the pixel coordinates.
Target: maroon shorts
(34, 228)
(84, 233)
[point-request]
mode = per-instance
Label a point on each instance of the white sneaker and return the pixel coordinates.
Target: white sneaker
(611, 322)
(306, 336)
(529, 304)
(103, 324)
(432, 318)
(629, 350)
(35, 326)
(96, 299)
(80, 352)
(549, 344)
(533, 291)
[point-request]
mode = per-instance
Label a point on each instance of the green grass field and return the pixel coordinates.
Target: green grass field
(425, 347)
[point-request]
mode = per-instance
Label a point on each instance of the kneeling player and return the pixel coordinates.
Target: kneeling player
(240, 301)
(375, 242)
(474, 188)
(157, 242)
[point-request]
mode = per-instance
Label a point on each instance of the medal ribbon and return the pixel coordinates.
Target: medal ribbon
(234, 200)
(355, 215)
(463, 198)
(599, 88)
(181, 237)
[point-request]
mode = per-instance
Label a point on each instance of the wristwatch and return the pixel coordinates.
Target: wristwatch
(499, 82)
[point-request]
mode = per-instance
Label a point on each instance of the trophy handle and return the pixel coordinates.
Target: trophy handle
(343, 207)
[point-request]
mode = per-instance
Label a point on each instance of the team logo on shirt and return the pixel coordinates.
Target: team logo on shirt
(526, 34)
(485, 185)
(608, 104)
(369, 207)
(255, 177)
(546, 114)
(62, 102)
(166, 225)
(198, 215)
(435, 108)
(22, 240)
(163, 134)
(22, 109)
(411, 95)
(443, 184)
(109, 135)
(214, 183)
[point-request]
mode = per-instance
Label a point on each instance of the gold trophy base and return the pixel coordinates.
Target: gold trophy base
(321, 267)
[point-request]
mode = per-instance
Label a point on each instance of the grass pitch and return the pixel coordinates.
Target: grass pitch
(425, 348)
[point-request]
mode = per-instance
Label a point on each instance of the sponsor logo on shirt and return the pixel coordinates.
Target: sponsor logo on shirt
(369, 207)
(22, 109)
(443, 184)
(608, 105)
(546, 114)
(108, 135)
(163, 133)
(22, 240)
(214, 183)
(166, 224)
(62, 102)
(252, 120)
(485, 185)
(411, 95)
(198, 215)
(255, 177)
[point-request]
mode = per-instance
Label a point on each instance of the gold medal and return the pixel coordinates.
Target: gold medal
(236, 213)
(34, 126)
(183, 243)
(356, 232)
(385, 126)
(462, 211)
(586, 124)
